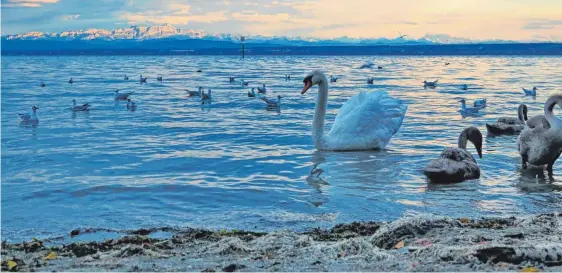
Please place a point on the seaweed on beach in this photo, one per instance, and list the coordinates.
(423, 243)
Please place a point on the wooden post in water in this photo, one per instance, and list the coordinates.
(242, 39)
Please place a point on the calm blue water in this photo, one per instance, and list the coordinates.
(237, 165)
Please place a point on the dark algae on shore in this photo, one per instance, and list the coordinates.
(423, 243)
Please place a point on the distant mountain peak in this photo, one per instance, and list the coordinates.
(131, 33)
(135, 32)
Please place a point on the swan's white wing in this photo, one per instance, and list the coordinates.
(366, 121)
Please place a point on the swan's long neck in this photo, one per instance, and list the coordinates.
(521, 114)
(320, 114)
(463, 140)
(555, 123)
(34, 114)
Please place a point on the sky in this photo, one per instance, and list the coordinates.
(519, 20)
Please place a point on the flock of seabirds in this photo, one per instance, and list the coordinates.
(367, 121)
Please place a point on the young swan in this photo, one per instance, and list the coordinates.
(457, 164)
(543, 145)
(509, 125)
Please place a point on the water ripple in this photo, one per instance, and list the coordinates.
(235, 164)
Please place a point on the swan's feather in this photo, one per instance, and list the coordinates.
(506, 125)
(454, 165)
(366, 121)
(538, 121)
(537, 146)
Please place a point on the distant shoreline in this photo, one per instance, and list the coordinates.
(189, 47)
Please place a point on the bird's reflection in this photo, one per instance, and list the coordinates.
(206, 108)
(535, 175)
(314, 179)
(273, 109)
(32, 125)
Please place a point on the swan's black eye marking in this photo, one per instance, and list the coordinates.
(307, 80)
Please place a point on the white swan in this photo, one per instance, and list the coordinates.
(457, 164)
(30, 117)
(366, 121)
(83, 107)
(542, 146)
(509, 125)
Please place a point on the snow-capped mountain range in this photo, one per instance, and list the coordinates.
(169, 31)
(131, 33)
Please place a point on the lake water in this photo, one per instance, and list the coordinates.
(237, 165)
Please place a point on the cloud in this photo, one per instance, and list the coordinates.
(476, 19)
(173, 13)
(26, 3)
(71, 17)
(254, 17)
(542, 24)
(144, 18)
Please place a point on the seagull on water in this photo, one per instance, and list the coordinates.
(30, 117)
(79, 108)
(121, 96)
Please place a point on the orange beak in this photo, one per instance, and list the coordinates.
(307, 86)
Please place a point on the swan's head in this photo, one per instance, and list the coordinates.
(462, 100)
(279, 97)
(315, 77)
(34, 108)
(475, 136)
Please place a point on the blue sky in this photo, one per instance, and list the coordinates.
(474, 19)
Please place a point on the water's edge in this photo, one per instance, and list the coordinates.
(422, 243)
